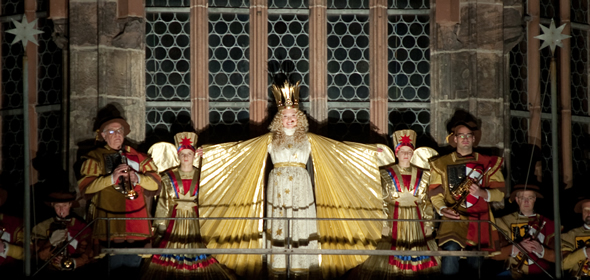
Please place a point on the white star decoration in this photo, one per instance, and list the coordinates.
(552, 36)
(24, 31)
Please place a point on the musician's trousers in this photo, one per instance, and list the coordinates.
(450, 266)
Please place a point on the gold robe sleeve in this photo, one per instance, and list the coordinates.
(92, 179)
(496, 194)
(165, 206)
(436, 197)
(347, 185)
(232, 185)
(574, 256)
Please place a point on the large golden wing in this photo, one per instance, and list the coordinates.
(421, 156)
(164, 155)
(232, 185)
(385, 157)
(347, 185)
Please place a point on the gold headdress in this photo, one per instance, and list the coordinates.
(405, 137)
(185, 140)
(286, 96)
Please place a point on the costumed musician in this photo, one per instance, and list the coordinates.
(576, 244)
(119, 179)
(462, 185)
(65, 229)
(11, 241)
(532, 231)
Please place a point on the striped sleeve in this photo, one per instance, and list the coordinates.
(92, 180)
(150, 180)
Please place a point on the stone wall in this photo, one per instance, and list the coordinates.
(469, 59)
(107, 70)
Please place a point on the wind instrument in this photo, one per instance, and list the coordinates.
(580, 272)
(124, 184)
(66, 262)
(461, 192)
(535, 236)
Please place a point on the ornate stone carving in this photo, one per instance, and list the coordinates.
(60, 34)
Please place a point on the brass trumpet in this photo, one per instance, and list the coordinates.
(580, 271)
(66, 262)
(125, 186)
(461, 192)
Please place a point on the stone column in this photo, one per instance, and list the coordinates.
(83, 98)
(121, 62)
(58, 14)
(199, 64)
(318, 64)
(565, 101)
(467, 62)
(258, 66)
(533, 73)
(107, 66)
(378, 67)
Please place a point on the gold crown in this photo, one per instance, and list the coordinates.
(185, 140)
(286, 96)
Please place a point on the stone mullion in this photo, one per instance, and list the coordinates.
(258, 66)
(378, 66)
(318, 63)
(534, 73)
(32, 54)
(565, 95)
(1, 106)
(58, 13)
(199, 36)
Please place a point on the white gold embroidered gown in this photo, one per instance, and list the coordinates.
(290, 195)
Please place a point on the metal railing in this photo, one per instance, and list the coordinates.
(295, 251)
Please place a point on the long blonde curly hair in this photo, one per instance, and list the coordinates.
(279, 136)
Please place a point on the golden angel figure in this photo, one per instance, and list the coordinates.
(405, 196)
(346, 185)
(178, 199)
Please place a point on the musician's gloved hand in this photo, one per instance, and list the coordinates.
(533, 246)
(57, 237)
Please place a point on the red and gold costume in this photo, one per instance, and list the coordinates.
(575, 242)
(79, 246)
(405, 196)
(518, 227)
(447, 172)
(108, 202)
(11, 233)
(178, 199)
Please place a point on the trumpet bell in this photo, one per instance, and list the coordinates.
(67, 264)
(131, 195)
